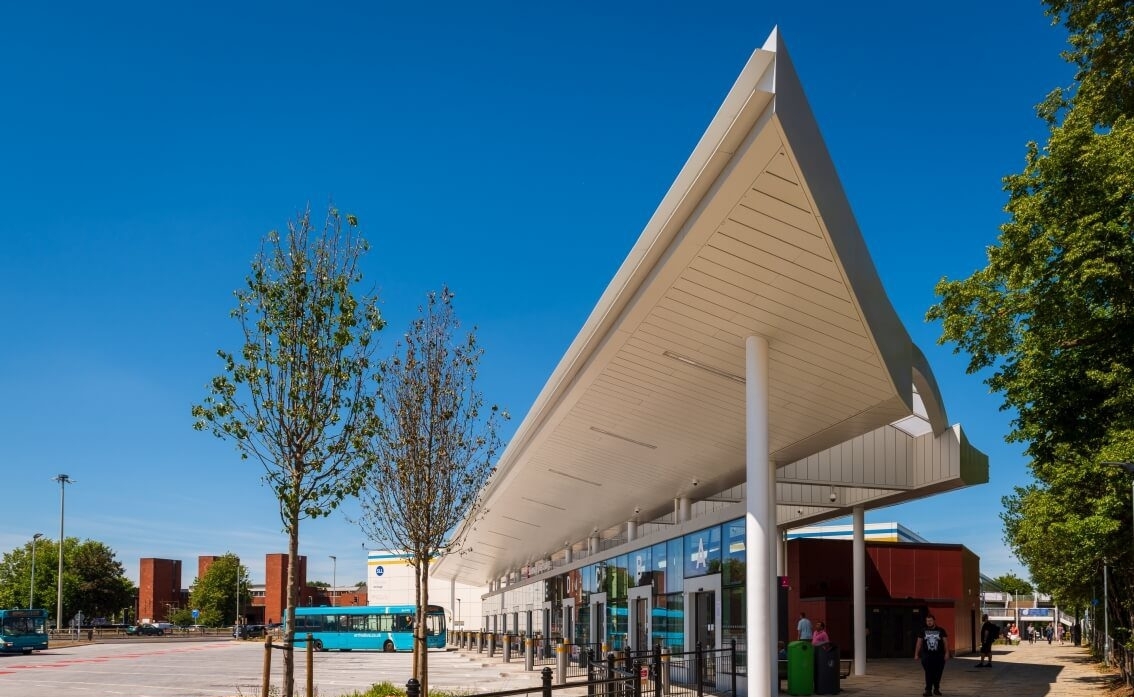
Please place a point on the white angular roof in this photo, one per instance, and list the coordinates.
(755, 237)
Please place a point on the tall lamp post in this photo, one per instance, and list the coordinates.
(334, 578)
(236, 575)
(31, 586)
(1129, 467)
(63, 480)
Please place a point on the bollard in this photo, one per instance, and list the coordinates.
(507, 649)
(699, 669)
(492, 644)
(665, 670)
(413, 688)
(545, 681)
(732, 647)
(529, 654)
(266, 674)
(310, 665)
(561, 663)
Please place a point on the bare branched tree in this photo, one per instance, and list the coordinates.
(435, 452)
(299, 396)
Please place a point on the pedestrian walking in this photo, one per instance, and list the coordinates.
(932, 649)
(988, 633)
(803, 627)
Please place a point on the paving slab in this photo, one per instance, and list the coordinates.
(1027, 670)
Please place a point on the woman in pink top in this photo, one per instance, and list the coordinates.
(820, 635)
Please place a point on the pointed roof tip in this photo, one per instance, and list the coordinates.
(773, 41)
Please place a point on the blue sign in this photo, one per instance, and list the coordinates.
(1037, 612)
(196, 614)
(379, 570)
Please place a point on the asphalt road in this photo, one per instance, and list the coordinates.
(228, 668)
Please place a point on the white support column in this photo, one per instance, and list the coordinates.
(858, 547)
(760, 525)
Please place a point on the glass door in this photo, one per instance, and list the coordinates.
(640, 617)
(598, 620)
(705, 619)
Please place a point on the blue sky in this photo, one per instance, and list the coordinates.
(511, 150)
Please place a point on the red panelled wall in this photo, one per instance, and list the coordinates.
(942, 579)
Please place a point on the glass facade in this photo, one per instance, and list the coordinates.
(539, 608)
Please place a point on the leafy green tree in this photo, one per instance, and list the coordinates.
(1011, 583)
(182, 617)
(94, 582)
(214, 594)
(1050, 318)
(298, 396)
(435, 453)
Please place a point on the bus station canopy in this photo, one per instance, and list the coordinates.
(754, 238)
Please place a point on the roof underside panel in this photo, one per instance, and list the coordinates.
(650, 396)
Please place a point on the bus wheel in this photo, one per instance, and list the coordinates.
(318, 645)
(388, 647)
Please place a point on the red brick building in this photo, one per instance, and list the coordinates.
(160, 591)
(159, 588)
(904, 582)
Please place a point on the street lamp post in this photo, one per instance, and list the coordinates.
(334, 578)
(31, 586)
(1106, 615)
(63, 480)
(236, 575)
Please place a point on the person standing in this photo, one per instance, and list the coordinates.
(932, 649)
(803, 627)
(988, 634)
(820, 636)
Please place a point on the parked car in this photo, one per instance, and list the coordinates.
(145, 630)
(248, 631)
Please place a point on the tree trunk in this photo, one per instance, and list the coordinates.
(292, 599)
(422, 607)
(418, 620)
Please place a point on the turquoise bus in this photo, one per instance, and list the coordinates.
(370, 627)
(23, 630)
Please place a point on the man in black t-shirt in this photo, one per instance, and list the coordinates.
(932, 650)
(988, 634)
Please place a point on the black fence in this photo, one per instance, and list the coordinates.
(621, 684)
(654, 673)
(698, 672)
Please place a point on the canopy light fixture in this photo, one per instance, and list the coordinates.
(707, 368)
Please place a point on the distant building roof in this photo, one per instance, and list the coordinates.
(875, 532)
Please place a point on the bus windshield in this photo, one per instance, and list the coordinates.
(23, 630)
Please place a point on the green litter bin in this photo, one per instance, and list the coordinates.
(800, 668)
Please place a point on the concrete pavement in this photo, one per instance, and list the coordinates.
(1027, 670)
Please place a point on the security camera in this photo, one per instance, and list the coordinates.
(695, 482)
(833, 496)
